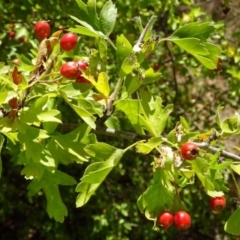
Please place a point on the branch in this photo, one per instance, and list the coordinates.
(138, 137)
(223, 153)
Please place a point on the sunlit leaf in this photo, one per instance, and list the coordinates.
(108, 17)
(232, 224)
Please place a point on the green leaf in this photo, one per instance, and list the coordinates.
(147, 48)
(102, 84)
(129, 64)
(230, 125)
(132, 110)
(206, 62)
(150, 76)
(95, 174)
(1, 146)
(87, 25)
(3, 97)
(197, 30)
(108, 17)
(217, 117)
(192, 38)
(71, 144)
(100, 150)
(232, 224)
(51, 115)
(147, 147)
(192, 45)
(55, 206)
(185, 124)
(236, 168)
(132, 83)
(33, 170)
(91, 6)
(155, 120)
(63, 179)
(85, 115)
(31, 140)
(154, 200)
(86, 191)
(102, 47)
(84, 31)
(124, 49)
(35, 186)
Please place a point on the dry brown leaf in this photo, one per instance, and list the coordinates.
(16, 77)
(44, 51)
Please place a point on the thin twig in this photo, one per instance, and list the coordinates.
(136, 47)
(138, 137)
(174, 72)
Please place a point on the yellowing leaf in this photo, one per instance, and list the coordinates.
(57, 33)
(236, 168)
(102, 84)
(89, 77)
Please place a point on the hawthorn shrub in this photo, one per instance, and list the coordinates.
(110, 134)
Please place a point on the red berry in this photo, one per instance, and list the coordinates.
(21, 39)
(81, 79)
(11, 34)
(82, 64)
(42, 29)
(68, 41)
(70, 70)
(189, 151)
(182, 220)
(165, 219)
(217, 203)
(155, 67)
(13, 103)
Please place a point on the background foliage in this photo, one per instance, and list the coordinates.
(195, 91)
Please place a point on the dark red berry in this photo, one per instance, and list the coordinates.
(182, 220)
(82, 64)
(21, 39)
(155, 67)
(189, 151)
(42, 29)
(70, 70)
(165, 219)
(81, 79)
(68, 41)
(11, 34)
(217, 203)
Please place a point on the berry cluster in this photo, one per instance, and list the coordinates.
(182, 220)
(73, 70)
(69, 70)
